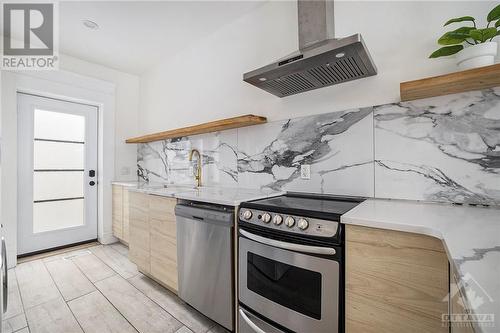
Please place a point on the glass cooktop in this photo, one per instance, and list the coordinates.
(316, 204)
(311, 204)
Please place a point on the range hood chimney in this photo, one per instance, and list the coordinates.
(321, 60)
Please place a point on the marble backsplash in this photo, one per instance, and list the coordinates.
(444, 149)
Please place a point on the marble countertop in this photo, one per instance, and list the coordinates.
(127, 183)
(226, 195)
(471, 237)
(229, 196)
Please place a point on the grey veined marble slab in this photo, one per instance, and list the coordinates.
(167, 161)
(338, 146)
(443, 149)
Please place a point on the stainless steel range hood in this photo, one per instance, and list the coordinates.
(321, 60)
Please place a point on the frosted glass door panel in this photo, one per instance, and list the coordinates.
(54, 215)
(58, 155)
(58, 165)
(59, 126)
(56, 185)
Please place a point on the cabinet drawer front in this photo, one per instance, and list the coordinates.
(117, 210)
(163, 241)
(161, 208)
(139, 242)
(126, 215)
(163, 247)
(117, 227)
(395, 282)
(165, 227)
(139, 250)
(165, 271)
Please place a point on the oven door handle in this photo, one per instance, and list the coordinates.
(289, 246)
(250, 323)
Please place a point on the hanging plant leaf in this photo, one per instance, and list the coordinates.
(460, 19)
(446, 51)
(482, 35)
(494, 14)
(497, 24)
(456, 36)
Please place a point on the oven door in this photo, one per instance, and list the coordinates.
(295, 290)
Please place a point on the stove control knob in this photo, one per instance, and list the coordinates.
(266, 218)
(290, 221)
(278, 219)
(247, 214)
(303, 224)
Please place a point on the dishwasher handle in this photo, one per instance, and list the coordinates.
(205, 214)
(289, 246)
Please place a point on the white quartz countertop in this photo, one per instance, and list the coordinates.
(226, 195)
(128, 183)
(229, 196)
(471, 237)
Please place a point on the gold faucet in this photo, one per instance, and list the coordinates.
(197, 175)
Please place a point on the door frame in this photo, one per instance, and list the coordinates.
(29, 241)
(73, 88)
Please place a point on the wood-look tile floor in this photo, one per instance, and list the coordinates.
(95, 290)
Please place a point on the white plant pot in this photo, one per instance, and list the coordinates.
(477, 55)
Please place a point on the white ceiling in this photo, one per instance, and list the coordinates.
(133, 36)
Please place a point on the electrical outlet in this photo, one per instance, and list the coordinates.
(305, 171)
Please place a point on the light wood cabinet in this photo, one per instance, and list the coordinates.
(139, 239)
(117, 210)
(153, 237)
(120, 212)
(126, 216)
(395, 282)
(163, 240)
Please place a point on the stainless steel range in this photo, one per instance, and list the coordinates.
(291, 264)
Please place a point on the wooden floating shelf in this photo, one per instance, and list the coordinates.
(213, 126)
(472, 79)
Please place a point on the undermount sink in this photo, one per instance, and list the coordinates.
(170, 186)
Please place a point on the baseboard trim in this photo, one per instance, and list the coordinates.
(108, 238)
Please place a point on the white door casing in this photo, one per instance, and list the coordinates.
(56, 203)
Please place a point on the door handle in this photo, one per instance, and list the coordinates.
(250, 323)
(289, 246)
(5, 273)
(92, 183)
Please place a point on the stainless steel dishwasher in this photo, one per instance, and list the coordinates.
(205, 259)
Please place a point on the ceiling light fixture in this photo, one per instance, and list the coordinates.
(90, 24)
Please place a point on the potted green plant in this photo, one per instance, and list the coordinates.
(474, 47)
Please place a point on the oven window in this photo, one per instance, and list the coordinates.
(296, 288)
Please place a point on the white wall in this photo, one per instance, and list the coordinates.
(126, 114)
(204, 82)
(117, 94)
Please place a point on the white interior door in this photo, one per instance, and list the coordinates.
(57, 173)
